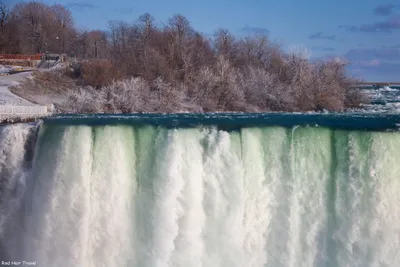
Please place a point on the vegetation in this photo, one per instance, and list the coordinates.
(145, 67)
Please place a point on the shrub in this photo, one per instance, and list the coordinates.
(216, 89)
(128, 96)
(97, 73)
(264, 90)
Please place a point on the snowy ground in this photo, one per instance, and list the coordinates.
(6, 97)
(4, 69)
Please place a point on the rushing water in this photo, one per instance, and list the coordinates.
(383, 100)
(202, 190)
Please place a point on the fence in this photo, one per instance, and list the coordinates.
(24, 112)
(21, 57)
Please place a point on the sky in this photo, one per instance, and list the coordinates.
(366, 32)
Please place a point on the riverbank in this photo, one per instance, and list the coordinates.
(7, 97)
(15, 108)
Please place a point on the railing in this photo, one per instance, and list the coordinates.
(23, 110)
(12, 113)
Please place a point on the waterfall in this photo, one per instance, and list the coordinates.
(147, 196)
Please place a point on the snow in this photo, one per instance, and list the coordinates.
(4, 69)
(8, 98)
(387, 89)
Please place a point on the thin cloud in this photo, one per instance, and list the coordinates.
(124, 10)
(329, 49)
(321, 36)
(370, 63)
(329, 57)
(325, 49)
(254, 30)
(388, 26)
(384, 10)
(381, 63)
(384, 70)
(77, 6)
(368, 54)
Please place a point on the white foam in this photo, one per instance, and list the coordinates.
(145, 196)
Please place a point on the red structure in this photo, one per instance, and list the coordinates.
(20, 57)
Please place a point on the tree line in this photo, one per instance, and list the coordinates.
(34, 27)
(222, 72)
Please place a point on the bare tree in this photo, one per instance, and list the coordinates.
(255, 50)
(63, 29)
(4, 18)
(125, 48)
(35, 25)
(196, 54)
(225, 44)
(146, 29)
(98, 41)
(81, 44)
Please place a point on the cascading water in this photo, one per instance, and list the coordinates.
(16, 152)
(141, 196)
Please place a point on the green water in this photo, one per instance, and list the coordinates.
(131, 195)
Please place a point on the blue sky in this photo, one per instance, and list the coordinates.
(367, 32)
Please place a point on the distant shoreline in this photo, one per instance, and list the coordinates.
(379, 83)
